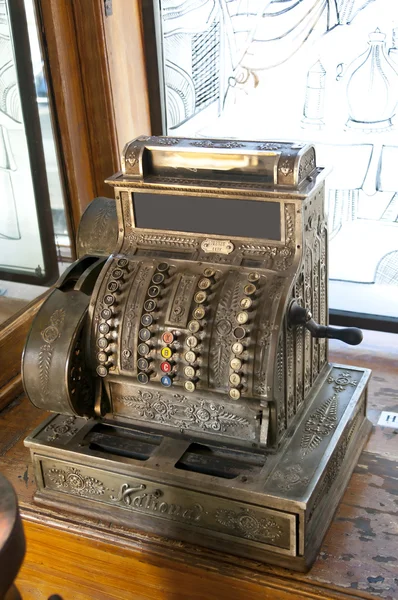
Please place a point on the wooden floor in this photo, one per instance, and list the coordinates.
(83, 559)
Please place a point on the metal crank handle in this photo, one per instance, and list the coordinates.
(299, 315)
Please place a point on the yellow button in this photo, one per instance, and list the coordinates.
(166, 352)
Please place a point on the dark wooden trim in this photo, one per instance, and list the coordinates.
(78, 81)
(154, 70)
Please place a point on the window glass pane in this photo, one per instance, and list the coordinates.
(31, 200)
(322, 71)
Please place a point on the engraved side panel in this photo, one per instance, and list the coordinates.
(297, 467)
(323, 300)
(315, 305)
(225, 519)
(181, 299)
(222, 335)
(307, 304)
(280, 386)
(187, 414)
(266, 333)
(131, 316)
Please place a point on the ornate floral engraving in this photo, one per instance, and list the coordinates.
(133, 307)
(49, 335)
(269, 146)
(165, 141)
(149, 239)
(341, 381)
(222, 337)
(216, 144)
(307, 164)
(285, 167)
(101, 222)
(179, 411)
(247, 524)
(290, 477)
(126, 205)
(336, 462)
(71, 480)
(266, 330)
(64, 428)
(319, 425)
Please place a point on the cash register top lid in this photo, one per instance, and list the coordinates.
(288, 166)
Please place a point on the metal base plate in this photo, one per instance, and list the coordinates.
(269, 507)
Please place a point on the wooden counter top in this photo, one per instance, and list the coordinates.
(83, 559)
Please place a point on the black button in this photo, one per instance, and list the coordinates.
(143, 349)
(239, 333)
(163, 267)
(153, 291)
(142, 377)
(144, 335)
(109, 299)
(158, 278)
(146, 320)
(117, 273)
(142, 364)
(113, 286)
(106, 313)
(150, 305)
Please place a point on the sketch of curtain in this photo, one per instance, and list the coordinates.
(10, 118)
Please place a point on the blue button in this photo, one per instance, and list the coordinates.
(166, 381)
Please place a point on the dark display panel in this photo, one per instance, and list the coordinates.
(213, 216)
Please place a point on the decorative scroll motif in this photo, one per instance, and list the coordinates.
(315, 306)
(133, 310)
(181, 412)
(64, 428)
(181, 303)
(336, 462)
(269, 146)
(300, 338)
(322, 232)
(149, 239)
(165, 141)
(216, 144)
(71, 480)
(126, 203)
(222, 338)
(266, 330)
(307, 164)
(101, 221)
(277, 257)
(319, 425)
(153, 503)
(341, 381)
(280, 385)
(286, 167)
(290, 477)
(248, 525)
(307, 335)
(290, 408)
(132, 156)
(49, 335)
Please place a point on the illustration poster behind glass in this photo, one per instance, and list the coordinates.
(319, 71)
(27, 247)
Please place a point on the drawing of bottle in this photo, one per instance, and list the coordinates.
(372, 90)
(314, 97)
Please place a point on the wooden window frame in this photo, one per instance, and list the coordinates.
(97, 89)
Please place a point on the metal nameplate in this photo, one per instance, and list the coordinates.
(217, 246)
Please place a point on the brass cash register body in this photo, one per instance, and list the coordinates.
(191, 397)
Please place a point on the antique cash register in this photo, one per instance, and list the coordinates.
(185, 355)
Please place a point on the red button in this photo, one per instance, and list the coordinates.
(166, 367)
(168, 337)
